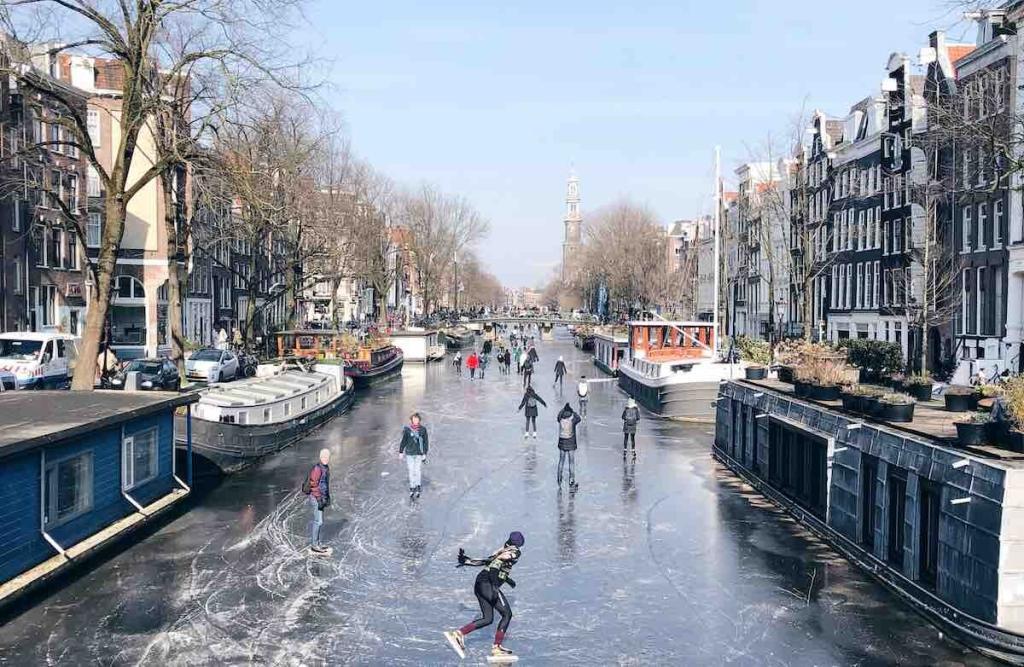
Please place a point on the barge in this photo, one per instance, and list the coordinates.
(458, 338)
(609, 350)
(418, 345)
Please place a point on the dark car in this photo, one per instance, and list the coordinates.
(154, 374)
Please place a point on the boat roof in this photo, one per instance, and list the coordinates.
(412, 332)
(260, 390)
(312, 332)
(33, 418)
(615, 338)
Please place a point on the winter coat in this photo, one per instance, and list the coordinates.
(527, 366)
(630, 417)
(320, 484)
(567, 421)
(413, 445)
(531, 410)
(473, 361)
(560, 368)
(532, 355)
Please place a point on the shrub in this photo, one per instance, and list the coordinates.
(991, 390)
(919, 380)
(897, 399)
(1013, 394)
(754, 351)
(875, 355)
(819, 365)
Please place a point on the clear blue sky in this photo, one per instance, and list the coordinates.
(496, 102)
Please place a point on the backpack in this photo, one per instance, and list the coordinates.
(565, 428)
(307, 484)
(582, 389)
(531, 402)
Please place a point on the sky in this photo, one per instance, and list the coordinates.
(497, 102)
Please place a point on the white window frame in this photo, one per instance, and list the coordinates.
(94, 128)
(95, 222)
(150, 438)
(997, 223)
(51, 491)
(980, 227)
(966, 215)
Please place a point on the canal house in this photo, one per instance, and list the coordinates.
(79, 470)
(939, 524)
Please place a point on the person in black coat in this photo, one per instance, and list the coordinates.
(530, 401)
(560, 371)
(630, 417)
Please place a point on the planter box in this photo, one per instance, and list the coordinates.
(871, 406)
(785, 374)
(827, 393)
(801, 389)
(961, 402)
(756, 372)
(969, 433)
(922, 392)
(893, 412)
(852, 402)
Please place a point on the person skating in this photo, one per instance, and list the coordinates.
(414, 447)
(530, 401)
(485, 359)
(583, 392)
(560, 371)
(567, 422)
(527, 372)
(318, 483)
(487, 589)
(531, 354)
(472, 363)
(508, 362)
(630, 417)
(457, 363)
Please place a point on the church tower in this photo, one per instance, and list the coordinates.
(573, 228)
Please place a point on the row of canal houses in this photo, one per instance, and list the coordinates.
(832, 238)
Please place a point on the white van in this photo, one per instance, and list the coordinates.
(39, 360)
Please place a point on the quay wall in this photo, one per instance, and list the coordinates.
(944, 528)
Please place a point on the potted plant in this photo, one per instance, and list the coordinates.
(973, 429)
(759, 354)
(1013, 396)
(920, 387)
(869, 397)
(897, 381)
(960, 398)
(852, 399)
(896, 407)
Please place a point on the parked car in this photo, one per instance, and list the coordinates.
(154, 374)
(212, 365)
(39, 360)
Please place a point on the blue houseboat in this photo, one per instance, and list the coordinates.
(79, 470)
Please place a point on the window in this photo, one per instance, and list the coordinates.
(287, 408)
(19, 274)
(72, 260)
(16, 215)
(139, 458)
(849, 286)
(93, 124)
(965, 224)
(72, 192)
(860, 286)
(997, 223)
(54, 139)
(967, 167)
(874, 296)
(304, 402)
(886, 288)
(93, 230)
(897, 236)
(92, 182)
(56, 188)
(56, 252)
(266, 415)
(885, 238)
(43, 233)
(67, 489)
(981, 302)
(981, 226)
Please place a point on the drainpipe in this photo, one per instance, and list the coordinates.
(42, 506)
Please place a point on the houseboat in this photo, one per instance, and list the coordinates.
(584, 339)
(81, 470)
(367, 360)
(609, 351)
(670, 368)
(235, 425)
(458, 338)
(418, 344)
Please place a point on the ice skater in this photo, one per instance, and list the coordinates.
(318, 487)
(457, 363)
(472, 363)
(630, 417)
(567, 422)
(413, 448)
(487, 589)
(530, 401)
(583, 392)
(527, 372)
(485, 359)
(560, 371)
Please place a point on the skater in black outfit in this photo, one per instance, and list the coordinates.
(560, 371)
(488, 593)
(567, 422)
(530, 401)
(532, 354)
(630, 417)
(527, 372)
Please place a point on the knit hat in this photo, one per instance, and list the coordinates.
(516, 539)
(631, 403)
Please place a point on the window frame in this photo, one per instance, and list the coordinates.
(50, 490)
(129, 480)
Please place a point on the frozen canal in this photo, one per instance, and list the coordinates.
(668, 561)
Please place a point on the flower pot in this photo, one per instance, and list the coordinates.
(756, 372)
(921, 392)
(871, 406)
(897, 384)
(786, 374)
(961, 402)
(971, 433)
(824, 393)
(897, 413)
(852, 402)
(801, 389)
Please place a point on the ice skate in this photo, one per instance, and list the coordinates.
(501, 654)
(320, 550)
(458, 643)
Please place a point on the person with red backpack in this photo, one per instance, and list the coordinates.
(318, 487)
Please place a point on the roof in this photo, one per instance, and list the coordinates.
(260, 390)
(666, 323)
(412, 333)
(958, 51)
(32, 418)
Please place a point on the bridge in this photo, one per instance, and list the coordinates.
(509, 319)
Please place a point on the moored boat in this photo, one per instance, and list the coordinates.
(609, 350)
(236, 424)
(374, 363)
(418, 344)
(458, 338)
(584, 339)
(670, 368)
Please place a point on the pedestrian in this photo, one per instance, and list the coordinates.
(222, 339)
(457, 362)
(485, 359)
(583, 392)
(527, 372)
(487, 590)
(532, 353)
(519, 358)
(472, 363)
(507, 361)
(567, 422)
(414, 447)
(630, 417)
(560, 371)
(530, 401)
(318, 487)
(488, 346)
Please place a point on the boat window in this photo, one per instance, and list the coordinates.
(139, 458)
(317, 395)
(68, 489)
(681, 368)
(243, 416)
(227, 419)
(303, 403)
(287, 408)
(266, 414)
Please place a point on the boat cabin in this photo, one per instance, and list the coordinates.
(609, 351)
(311, 343)
(419, 345)
(677, 343)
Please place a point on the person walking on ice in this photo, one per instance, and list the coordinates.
(630, 417)
(560, 371)
(318, 487)
(530, 401)
(583, 392)
(472, 363)
(414, 448)
(487, 589)
(457, 363)
(567, 422)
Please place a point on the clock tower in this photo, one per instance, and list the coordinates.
(571, 246)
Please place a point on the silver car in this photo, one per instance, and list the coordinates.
(212, 365)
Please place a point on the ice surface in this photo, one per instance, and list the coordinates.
(668, 560)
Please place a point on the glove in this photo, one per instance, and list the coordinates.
(462, 557)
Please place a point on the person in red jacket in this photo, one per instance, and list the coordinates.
(472, 363)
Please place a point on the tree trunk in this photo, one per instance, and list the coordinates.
(807, 307)
(174, 292)
(106, 264)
